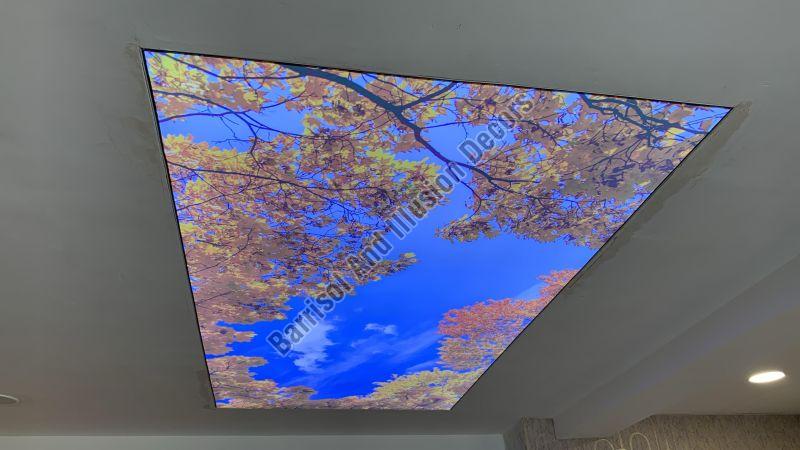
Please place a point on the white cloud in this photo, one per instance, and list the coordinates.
(531, 293)
(390, 329)
(313, 348)
(410, 347)
(425, 365)
(358, 342)
(395, 350)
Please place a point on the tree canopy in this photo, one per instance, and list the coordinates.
(272, 210)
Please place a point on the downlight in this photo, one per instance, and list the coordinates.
(769, 376)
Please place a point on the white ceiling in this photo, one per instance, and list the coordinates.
(97, 330)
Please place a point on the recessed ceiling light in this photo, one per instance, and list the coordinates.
(769, 376)
(8, 400)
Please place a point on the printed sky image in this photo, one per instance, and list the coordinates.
(285, 177)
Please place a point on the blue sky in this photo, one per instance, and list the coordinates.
(389, 327)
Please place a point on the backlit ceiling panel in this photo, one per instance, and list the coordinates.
(365, 241)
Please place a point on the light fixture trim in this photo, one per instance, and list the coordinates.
(6, 400)
(767, 376)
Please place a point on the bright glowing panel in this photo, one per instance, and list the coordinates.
(367, 241)
(769, 376)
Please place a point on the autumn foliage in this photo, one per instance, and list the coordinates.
(270, 210)
(474, 336)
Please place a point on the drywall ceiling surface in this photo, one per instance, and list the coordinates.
(99, 335)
